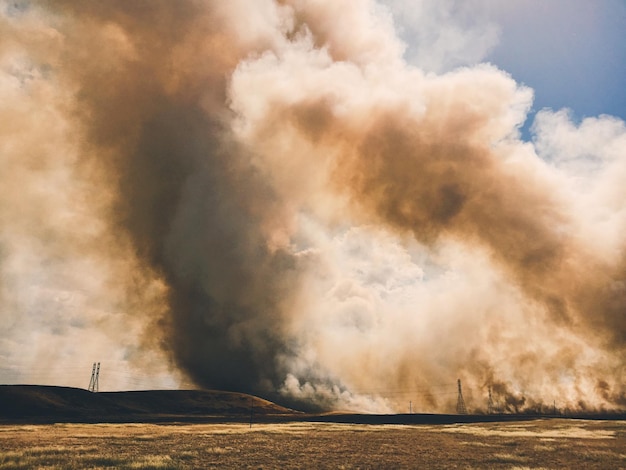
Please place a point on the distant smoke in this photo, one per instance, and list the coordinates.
(270, 202)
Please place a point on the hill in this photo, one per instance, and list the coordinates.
(42, 404)
(48, 404)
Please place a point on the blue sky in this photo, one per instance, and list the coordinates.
(572, 53)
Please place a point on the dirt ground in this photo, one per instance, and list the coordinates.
(553, 443)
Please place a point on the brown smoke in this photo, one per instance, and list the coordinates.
(428, 177)
(194, 208)
(272, 203)
(147, 92)
(438, 158)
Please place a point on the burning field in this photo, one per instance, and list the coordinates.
(539, 445)
(265, 196)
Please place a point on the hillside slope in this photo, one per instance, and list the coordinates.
(37, 403)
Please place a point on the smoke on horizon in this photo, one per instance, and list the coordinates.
(257, 198)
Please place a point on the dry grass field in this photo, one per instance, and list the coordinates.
(516, 445)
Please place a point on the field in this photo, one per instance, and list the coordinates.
(550, 443)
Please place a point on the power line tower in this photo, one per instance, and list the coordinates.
(95, 373)
(93, 377)
(490, 406)
(96, 384)
(460, 403)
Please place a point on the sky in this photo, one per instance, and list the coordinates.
(334, 205)
(571, 53)
(580, 55)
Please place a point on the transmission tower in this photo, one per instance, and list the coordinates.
(96, 385)
(460, 403)
(95, 373)
(490, 407)
(93, 377)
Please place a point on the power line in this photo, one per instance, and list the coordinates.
(435, 389)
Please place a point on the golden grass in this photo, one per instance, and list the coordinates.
(503, 457)
(537, 444)
(543, 429)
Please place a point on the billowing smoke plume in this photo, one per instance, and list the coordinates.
(259, 198)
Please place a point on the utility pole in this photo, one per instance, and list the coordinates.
(93, 378)
(490, 407)
(410, 407)
(96, 385)
(460, 403)
(95, 373)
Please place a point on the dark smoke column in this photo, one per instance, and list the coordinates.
(151, 104)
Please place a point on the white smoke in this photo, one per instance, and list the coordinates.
(281, 197)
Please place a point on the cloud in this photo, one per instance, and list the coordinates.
(444, 35)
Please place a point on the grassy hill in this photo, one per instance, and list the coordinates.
(48, 404)
(37, 403)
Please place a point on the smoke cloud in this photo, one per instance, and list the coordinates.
(254, 197)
